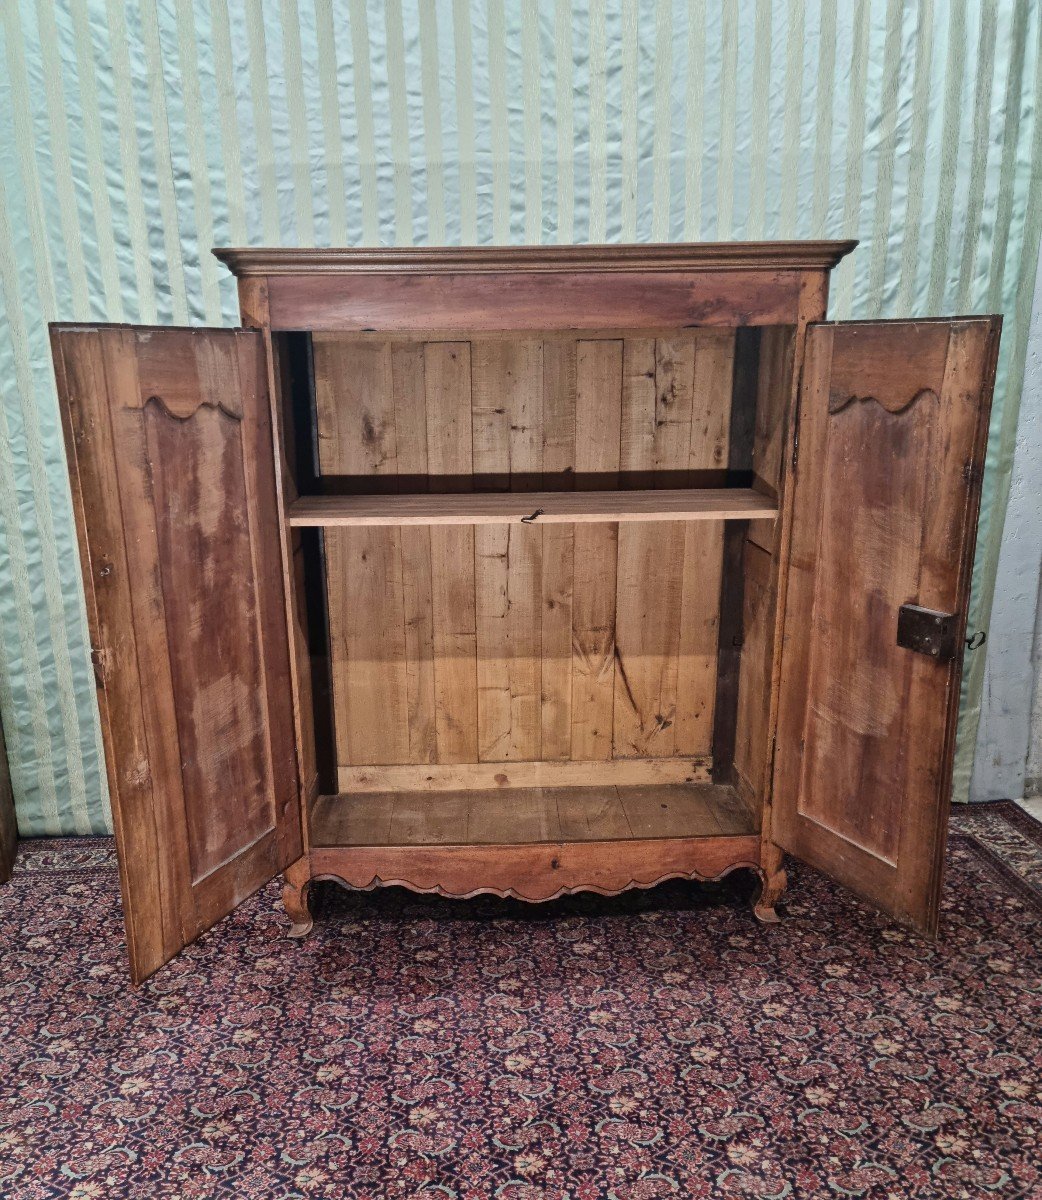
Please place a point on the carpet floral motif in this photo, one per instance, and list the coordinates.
(659, 1044)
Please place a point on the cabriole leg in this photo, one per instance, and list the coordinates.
(773, 882)
(296, 897)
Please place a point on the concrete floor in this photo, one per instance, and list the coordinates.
(1033, 806)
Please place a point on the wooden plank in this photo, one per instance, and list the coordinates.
(739, 459)
(773, 399)
(670, 811)
(656, 431)
(502, 262)
(711, 388)
(813, 306)
(571, 773)
(362, 820)
(450, 462)
(753, 698)
(698, 643)
(537, 872)
(408, 383)
(507, 421)
(519, 816)
(570, 508)
(357, 440)
(273, 369)
(590, 814)
(420, 818)
(699, 612)
(516, 817)
(532, 301)
(597, 435)
(736, 810)
(555, 690)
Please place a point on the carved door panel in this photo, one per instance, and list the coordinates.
(892, 431)
(168, 434)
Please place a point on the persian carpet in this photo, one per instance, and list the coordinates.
(658, 1044)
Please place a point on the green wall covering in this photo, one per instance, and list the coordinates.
(136, 134)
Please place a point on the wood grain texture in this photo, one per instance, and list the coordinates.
(598, 391)
(536, 873)
(542, 773)
(535, 508)
(507, 406)
(253, 305)
(173, 479)
(519, 816)
(662, 257)
(357, 437)
(558, 436)
(699, 615)
(891, 454)
(458, 441)
(450, 461)
(758, 600)
(813, 306)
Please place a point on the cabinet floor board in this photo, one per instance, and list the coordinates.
(520, 816)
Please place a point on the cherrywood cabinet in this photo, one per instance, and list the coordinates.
(525, 571)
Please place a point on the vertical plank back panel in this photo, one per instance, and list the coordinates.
(357, 439)
(555, 692)
(712, 374)
(524, 643)
(595, 550)
(507, 399)
(450, 461)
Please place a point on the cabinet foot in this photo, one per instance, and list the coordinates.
(296, 898)
(772, 887)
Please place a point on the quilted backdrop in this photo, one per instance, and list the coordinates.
(136, 134)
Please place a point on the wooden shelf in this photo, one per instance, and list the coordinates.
(522, 816)
(492, 508)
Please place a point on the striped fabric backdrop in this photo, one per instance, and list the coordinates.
(136, 134)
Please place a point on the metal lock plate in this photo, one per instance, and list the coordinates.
(927, 631)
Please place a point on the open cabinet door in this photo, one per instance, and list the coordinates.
(892, 428)
(168, 433)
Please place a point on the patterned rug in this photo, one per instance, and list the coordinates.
(659, 1044)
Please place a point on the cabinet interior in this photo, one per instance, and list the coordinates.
(535, 585)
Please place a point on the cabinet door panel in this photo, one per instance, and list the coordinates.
(893, 424)
(169, 442)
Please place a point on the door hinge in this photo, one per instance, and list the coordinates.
(97, 659)
(928, 632)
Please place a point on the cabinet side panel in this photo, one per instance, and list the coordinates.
(773, 396)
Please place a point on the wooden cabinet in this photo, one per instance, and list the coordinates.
(525, 571)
